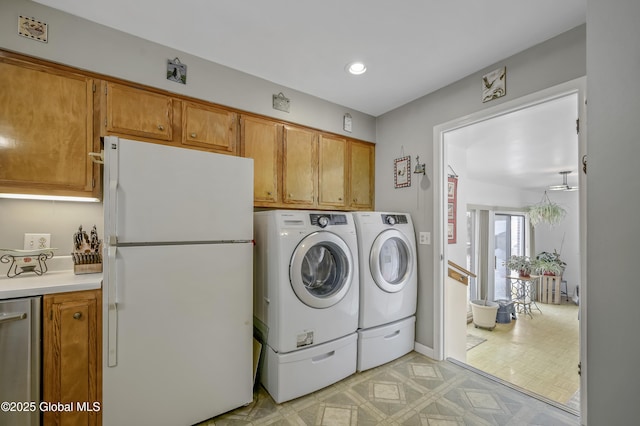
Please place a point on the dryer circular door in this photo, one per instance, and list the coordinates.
(321, 269)
(391, 260)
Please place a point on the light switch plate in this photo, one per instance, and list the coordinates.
(37, 241)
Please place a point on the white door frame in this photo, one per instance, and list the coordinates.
(439, 176)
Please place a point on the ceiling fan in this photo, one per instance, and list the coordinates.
(564, 186)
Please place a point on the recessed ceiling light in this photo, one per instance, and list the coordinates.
(356, 68)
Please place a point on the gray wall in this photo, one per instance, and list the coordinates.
(409, 130)
(613, 202)
(87, 45)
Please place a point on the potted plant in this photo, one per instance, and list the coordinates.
(523, 264)
(549, 263)
(546, 211)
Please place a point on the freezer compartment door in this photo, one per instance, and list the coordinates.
(157, 193)
(184, 334)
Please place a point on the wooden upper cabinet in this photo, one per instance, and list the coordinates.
(137, 112)
(260, 140)
(361, 179)
(299, 166)
(46, 131)
(209, 127)
(332, 172)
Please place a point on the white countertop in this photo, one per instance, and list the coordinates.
(30, 284)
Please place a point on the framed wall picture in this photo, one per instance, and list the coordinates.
(494, 84)
(451, 232)
(33, 29)
(452, 209)
(402, 172)
(176, 71)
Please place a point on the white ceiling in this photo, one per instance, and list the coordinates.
(525, 149)
(411, 48)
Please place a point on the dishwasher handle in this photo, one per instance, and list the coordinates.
(13, 317)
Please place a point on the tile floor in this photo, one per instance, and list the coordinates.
(412, 390)
(539, 354)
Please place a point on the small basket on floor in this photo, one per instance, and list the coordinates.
(484, 313)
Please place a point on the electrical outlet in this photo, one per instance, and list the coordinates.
(425, 237)
(37, 241)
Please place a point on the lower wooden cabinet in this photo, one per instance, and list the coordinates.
(72, 357)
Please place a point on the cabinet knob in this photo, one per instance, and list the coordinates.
(160, 127)
(290, 195)
(268, 192)
(193, 135)
(77, 315)
(355, 200)
(339, 198)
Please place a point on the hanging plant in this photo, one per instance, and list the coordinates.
(546, 211)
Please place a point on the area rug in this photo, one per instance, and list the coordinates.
(473, 341)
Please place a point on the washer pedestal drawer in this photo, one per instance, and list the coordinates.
(379, 345)
(294, 374)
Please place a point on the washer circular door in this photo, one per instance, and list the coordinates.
(391, 260)
(321, 269)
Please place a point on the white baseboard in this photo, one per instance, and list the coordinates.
(424, 350)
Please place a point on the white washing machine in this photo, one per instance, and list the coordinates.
(388, 286)
(306, 298)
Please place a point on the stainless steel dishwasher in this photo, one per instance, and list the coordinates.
(20, 343)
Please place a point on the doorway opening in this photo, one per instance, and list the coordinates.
(502, 219)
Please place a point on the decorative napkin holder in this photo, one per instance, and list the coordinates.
(26, 260)
(86, 252)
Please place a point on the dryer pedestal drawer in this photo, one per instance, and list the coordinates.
(294, 374)
(379, 345)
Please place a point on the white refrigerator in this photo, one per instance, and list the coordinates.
(177, 291)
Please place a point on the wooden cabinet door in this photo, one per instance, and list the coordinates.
(299, 166)
(209, 127)
(361, 177)
(261, 140)
(138, 112)
(46, 131)
(72, 370)
(332, 172)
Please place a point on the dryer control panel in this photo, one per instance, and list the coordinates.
(323, 220)
(393, 219)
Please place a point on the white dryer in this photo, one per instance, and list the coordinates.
(388, 286)
(306, 297)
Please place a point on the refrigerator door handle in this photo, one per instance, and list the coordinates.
(112, 312)
(113, 193)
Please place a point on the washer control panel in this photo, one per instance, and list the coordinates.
(323, 220)
(392, 219)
